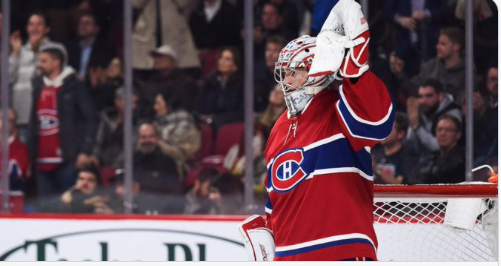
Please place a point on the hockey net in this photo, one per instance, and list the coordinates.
(437, 222)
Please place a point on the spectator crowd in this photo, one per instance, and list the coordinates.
(66, 117)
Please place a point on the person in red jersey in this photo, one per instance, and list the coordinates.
(18, 154)
(63, 123)
(320, 181)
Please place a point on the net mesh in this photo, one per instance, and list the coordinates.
(416, 229)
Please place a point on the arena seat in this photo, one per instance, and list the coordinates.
(227, 136)
(206, 143)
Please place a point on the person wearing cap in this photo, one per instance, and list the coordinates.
(63, 123)
(179, 88)
(23, 66)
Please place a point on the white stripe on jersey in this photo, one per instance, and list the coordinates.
(348, 127)
(323, 241)
(354, 115)
(334, 171)
(324, 141)
(50, 160)
(269, 164)
(341, 170)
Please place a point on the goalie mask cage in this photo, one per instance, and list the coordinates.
(436, 222)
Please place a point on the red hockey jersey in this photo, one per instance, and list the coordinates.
(49, 146)
(18, 161)
(320, 180)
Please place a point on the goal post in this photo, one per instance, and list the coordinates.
(437, 222)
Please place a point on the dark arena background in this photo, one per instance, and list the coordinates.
(135, 130)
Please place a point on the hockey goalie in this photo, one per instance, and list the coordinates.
(319, 179)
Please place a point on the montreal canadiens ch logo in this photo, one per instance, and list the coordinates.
(49, 122)
(286, 170)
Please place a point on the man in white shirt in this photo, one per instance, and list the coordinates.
(23, 66)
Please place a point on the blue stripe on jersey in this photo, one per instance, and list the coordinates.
(363, 130)
(268, 204)
(268, 176)
(335, 154)
(323, 245)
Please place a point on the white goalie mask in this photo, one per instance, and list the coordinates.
(295, 60)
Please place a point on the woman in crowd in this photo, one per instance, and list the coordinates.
(276, 107)
(221, 98)
(179, 136)
(105, 82)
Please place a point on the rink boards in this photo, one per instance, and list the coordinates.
(161, 238)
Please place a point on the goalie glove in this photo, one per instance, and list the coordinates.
(258, 239)
(356, 29)
(329, 56)
(330, 52)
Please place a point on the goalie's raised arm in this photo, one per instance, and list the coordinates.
(365, 106)
(365, 110)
